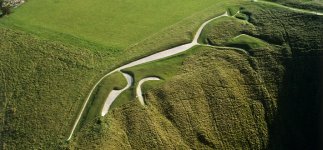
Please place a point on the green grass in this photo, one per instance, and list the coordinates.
(180, 111)
(174, 33)
(246, 42)
(43, 84)
(233, 32)
(221, 99)
(242, 16)
(233, 10)
(47, 73)
(115, 81)
(163, 69)
(45, 19)
(208, 99)
(111, 23)
(220, 31)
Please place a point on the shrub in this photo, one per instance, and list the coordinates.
(7, 5)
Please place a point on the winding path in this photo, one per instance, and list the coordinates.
(115, 93)
(139, 91)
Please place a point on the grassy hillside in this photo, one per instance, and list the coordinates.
(111, 23)
(210, 98)
(43, 83)
(223, 99)
(315, 5)
(299, 103)
(220, 31)
(156, 27)
(46, 74)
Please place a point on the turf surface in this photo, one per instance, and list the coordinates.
(113, 23)
(51, 57)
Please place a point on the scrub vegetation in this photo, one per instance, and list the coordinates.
(208, 98)
(43, 84)
(315, 5)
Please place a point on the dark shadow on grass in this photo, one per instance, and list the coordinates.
(2, 15)
(297, 123)
(320, 90)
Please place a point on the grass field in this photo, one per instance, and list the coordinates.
(112, 23)
(52, 52)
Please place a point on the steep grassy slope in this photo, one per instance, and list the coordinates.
(44, 81)
(297, 121)
(201, 107)
(42, 84)
(223, 99)
(315, 5)
(214, 99)
(94, 108)
(219, 32)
